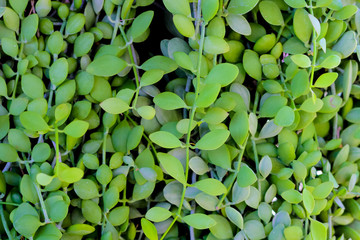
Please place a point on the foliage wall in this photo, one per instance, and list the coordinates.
(179, 119)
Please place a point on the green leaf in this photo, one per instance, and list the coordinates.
(172, 166)
(285, 117)
(111, 197)
(151, 77)
(345, 12)
(8, 153)
(215, 115)
(58, 71)
(310, 106)
(29, 26)
(119, 215)
(300, 84)
(246, 176)
(86, 189)
(43, 179)
(222, 228)
(239, 24)
(32, 86)
(223, 73)
(178, 7)
(215, 45)
(76, 128)
(208, 95)
(140, 24)
(265, 166)
(235, 217)
(33, 121)
(309, 202)
(3, 87)
(241, 6)
(114, 105)
(213, 139)
(318, 230)
(165, 139)
(292, 196)
(270, 129)
(83, 44)
(272, 105)
(346, 45)
(71, 175)
(91, 211)
(149, 229)
(301, 60)
(184, 25)
(323, 190)
(143, 191)
(10, 47)
(209, 9)
(169, 101)
(75, 23)
(27, 225)
(293, 232)
(19, 6)
(271, 13)
(80, 229)
(106, 66)
(210, 186)
(146, 112)
(331, 61)
(198, 165)
(315, 23)
(326, 79)
(160, 62)
(296, 3)
(11, 19)
(199, 221)
(254, 229)
(158, 214)
(183, 60)
(19, 140)
(239, 127)
(40, 152)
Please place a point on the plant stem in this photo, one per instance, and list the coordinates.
(4, 223)
(234, 176)
(57, 150)
(256, 102)
(117, 22)
(314, 42)
(17, 73)
(41, 199)
(192, 115)
(133, 63)
(144, 135)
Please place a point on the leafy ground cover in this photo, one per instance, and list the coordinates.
(177, 119)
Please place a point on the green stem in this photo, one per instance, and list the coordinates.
(234, 176)
(57, 150)
(256, 102)
(4, 223)
(192, 115)
(283, 27)
(117, 22)
(144, 135)
(104, 146)
(104, 186)
(306, 226)
(313, 64)
(132, 59)
(9, 203)
(256, 158)
(17, 73)
(41, 199)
